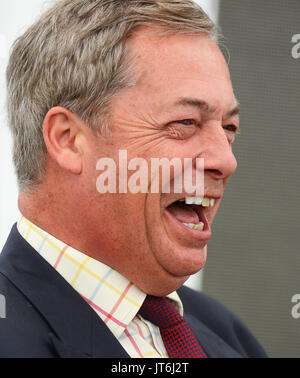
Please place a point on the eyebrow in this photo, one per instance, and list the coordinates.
(235, 111)
(204, 106)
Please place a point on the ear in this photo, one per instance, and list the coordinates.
(63, 136)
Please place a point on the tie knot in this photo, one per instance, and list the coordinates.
(160, 312)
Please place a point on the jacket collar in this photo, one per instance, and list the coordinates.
(77, 329)
(213, 345)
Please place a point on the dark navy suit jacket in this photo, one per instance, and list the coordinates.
(46, 317)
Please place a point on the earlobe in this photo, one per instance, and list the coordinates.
(62, 136)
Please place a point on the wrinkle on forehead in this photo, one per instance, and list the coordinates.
(173, 54)
(173, 67)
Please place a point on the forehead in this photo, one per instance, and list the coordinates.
(176, 66)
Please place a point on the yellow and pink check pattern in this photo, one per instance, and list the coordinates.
(115, 299)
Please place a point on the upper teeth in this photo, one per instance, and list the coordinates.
(205, 202)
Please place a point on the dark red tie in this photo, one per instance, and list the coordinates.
(177, 336)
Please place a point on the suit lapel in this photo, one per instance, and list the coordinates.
(77, 329)
(212, 344)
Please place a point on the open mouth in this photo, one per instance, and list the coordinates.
(191, 212)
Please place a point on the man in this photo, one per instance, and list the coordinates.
(83, 271)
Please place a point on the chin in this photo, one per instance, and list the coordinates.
(162, 285)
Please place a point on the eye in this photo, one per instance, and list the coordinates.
(182, 129)
(231, 131)
(186, 122)
(231, 128)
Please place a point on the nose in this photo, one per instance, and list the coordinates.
(219, 160)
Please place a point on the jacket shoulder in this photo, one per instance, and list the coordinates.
(24, 332)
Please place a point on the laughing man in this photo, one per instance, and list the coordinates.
(86, 274)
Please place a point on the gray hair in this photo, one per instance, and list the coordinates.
(75, 56)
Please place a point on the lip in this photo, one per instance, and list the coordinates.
(185, 232)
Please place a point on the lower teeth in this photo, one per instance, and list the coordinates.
(193, 226)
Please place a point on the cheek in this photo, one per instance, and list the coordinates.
(130, 210)
(121, 224)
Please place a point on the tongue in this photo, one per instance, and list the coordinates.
(184, 213)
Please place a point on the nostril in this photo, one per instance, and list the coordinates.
(214, 172)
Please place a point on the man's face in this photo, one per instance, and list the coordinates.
(182, 106)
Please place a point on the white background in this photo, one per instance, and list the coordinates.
(15, 17)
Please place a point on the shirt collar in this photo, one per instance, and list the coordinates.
(115, 299)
